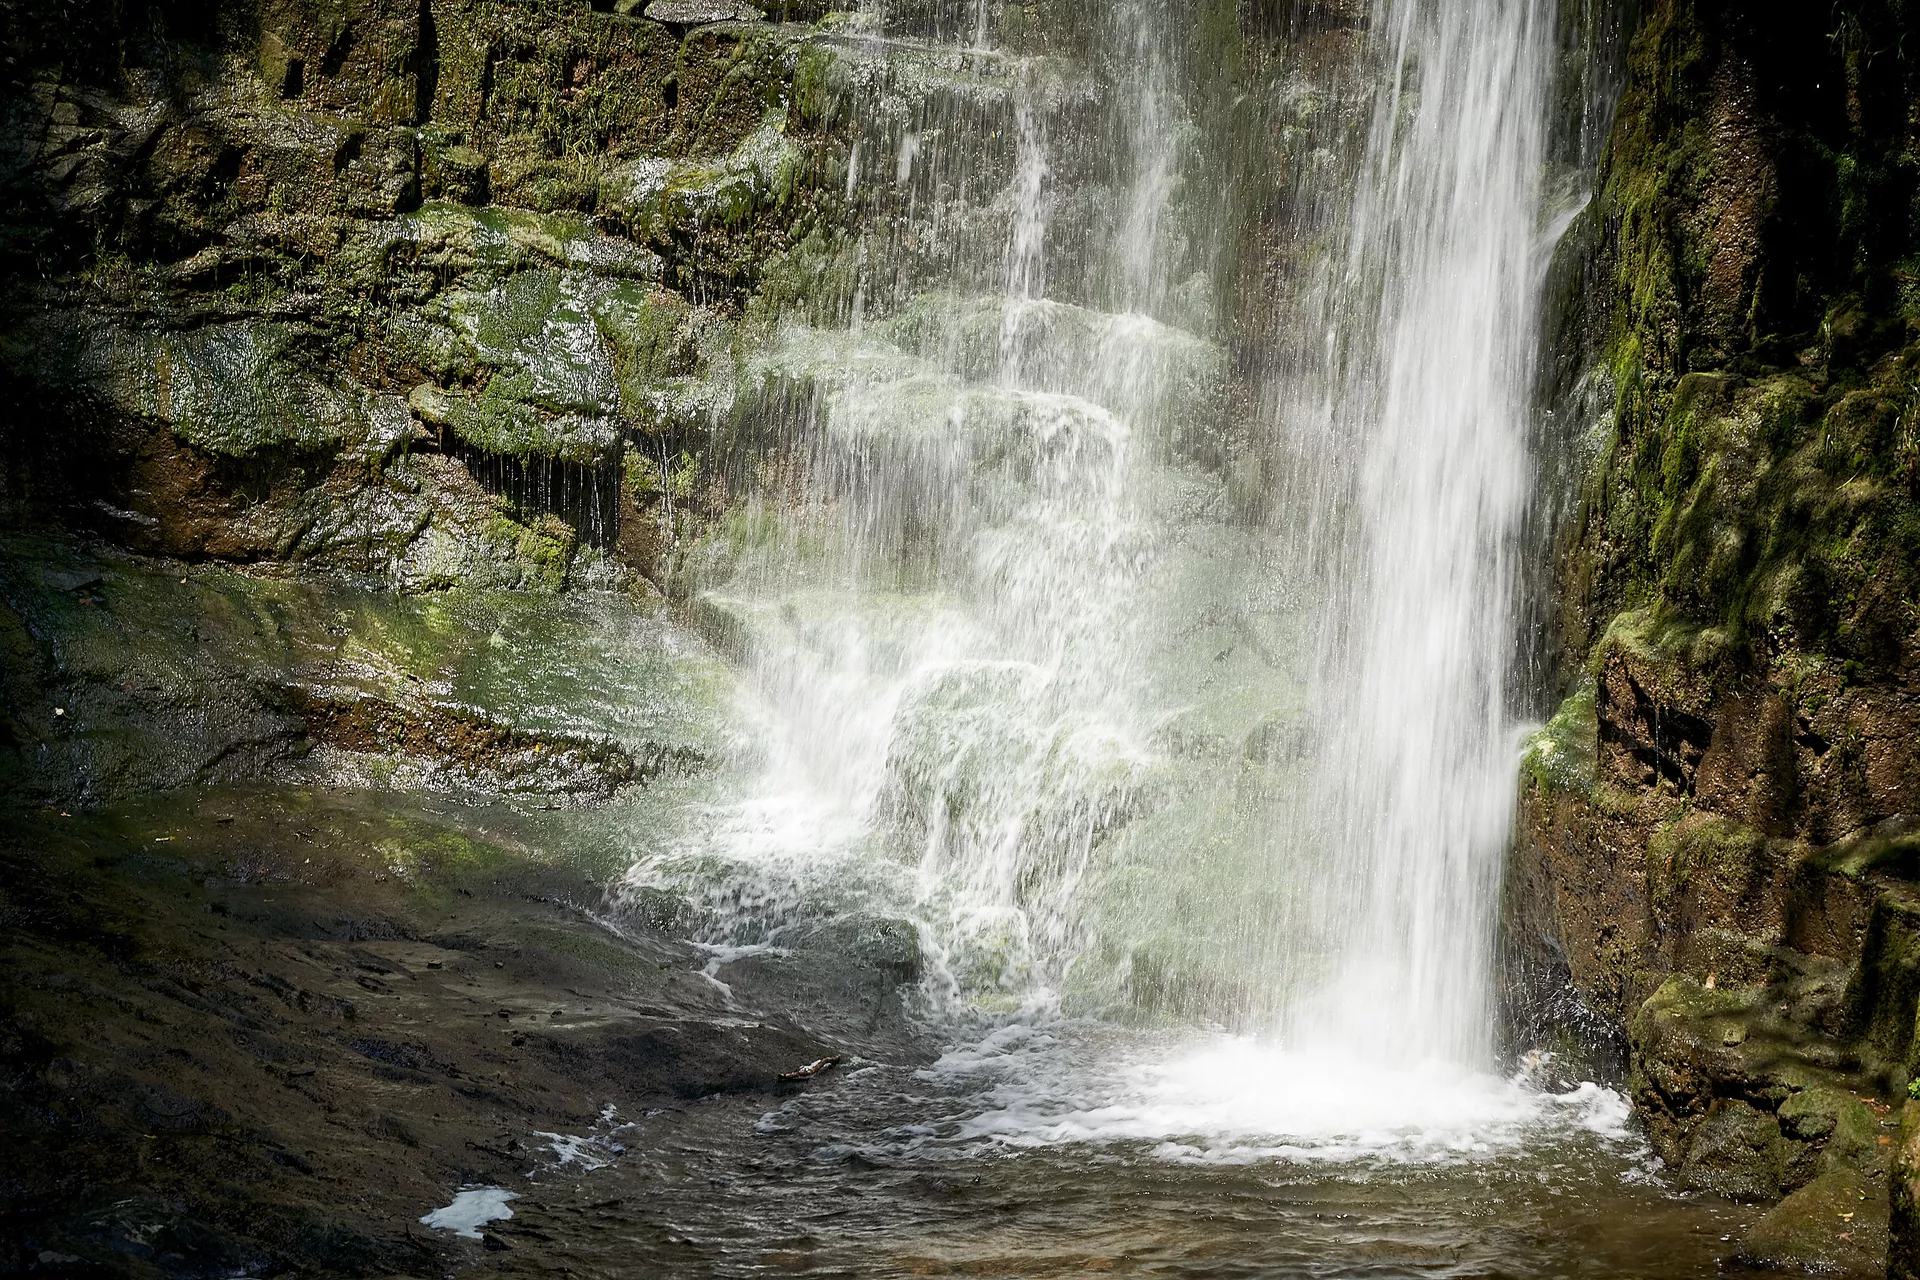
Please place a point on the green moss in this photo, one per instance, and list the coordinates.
(1668, 647)
(824, 88)
(648, 330)
(235, 390)
(451, 239)
(1889, 853)
(1559, 757)
(672, 478)
(1835, 1224)
(1882, 994)
(813, 281)
(1702, 858)
(1758, 483)
(550, 388)
(1683, 999)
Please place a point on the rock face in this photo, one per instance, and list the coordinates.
(387, 288)
(1715, 881)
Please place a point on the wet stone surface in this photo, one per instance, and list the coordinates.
(257, 1029)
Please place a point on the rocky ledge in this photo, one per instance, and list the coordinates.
(264, 1029)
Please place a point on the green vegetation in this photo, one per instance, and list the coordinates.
(1760, 478)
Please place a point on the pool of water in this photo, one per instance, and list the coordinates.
(1065, 1149)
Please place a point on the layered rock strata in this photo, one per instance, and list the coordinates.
(1717, 842)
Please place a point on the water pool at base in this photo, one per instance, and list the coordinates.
(1076, 1150)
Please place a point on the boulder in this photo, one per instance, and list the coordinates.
(1836, 1224)
(1738, 1152)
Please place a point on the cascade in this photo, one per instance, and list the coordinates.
(1411, 410)
(1137, 694)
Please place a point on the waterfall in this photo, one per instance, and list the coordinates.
(1414, 409)
(1043, 652)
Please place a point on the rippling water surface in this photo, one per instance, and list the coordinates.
(1070, 1149)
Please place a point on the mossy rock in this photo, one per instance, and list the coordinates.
(550, 386)
(237, 390)
(1559, 756)
(662, 200)
(1890, 848)
(1836, 1224)
(1884, 993)
(452, 239)
(1684, 999)
(1903, 1194)
(1668, 654)
(675, 362)
(1738, 1152)
(1701, 858)
(1828, 1115)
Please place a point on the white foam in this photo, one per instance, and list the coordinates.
(589, 1153)
(472, 1208)
(1241, 1100)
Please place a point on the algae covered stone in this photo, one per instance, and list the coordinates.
(1738, 1152)
(1835, 1224)
(239, 389)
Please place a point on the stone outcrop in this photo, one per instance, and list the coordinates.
(394, 289)
(1716, 875)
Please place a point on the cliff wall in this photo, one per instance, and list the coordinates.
(1718, 848)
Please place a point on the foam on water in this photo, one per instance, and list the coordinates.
(1244, 1100)
(472, 1208)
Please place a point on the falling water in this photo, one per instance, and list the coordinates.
(1415, 409)
(1031, 661)
(944, 632)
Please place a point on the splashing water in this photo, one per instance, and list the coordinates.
(1137, 701)
(1237, 1100)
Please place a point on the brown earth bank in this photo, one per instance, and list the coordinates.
(263, 1029)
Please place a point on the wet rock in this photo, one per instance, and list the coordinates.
(849, 976)
(460, 175)
(162, 682)
(1681, 1056)
(1903, 1253)
(1845, 1129)
(1738, 1152)
(235, 389)
(1836, 1224)
(657, 909)
(892, 945)
(1752, 695)
(242, 222)
(477, 752)
(693, 13)
(1885, 990)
